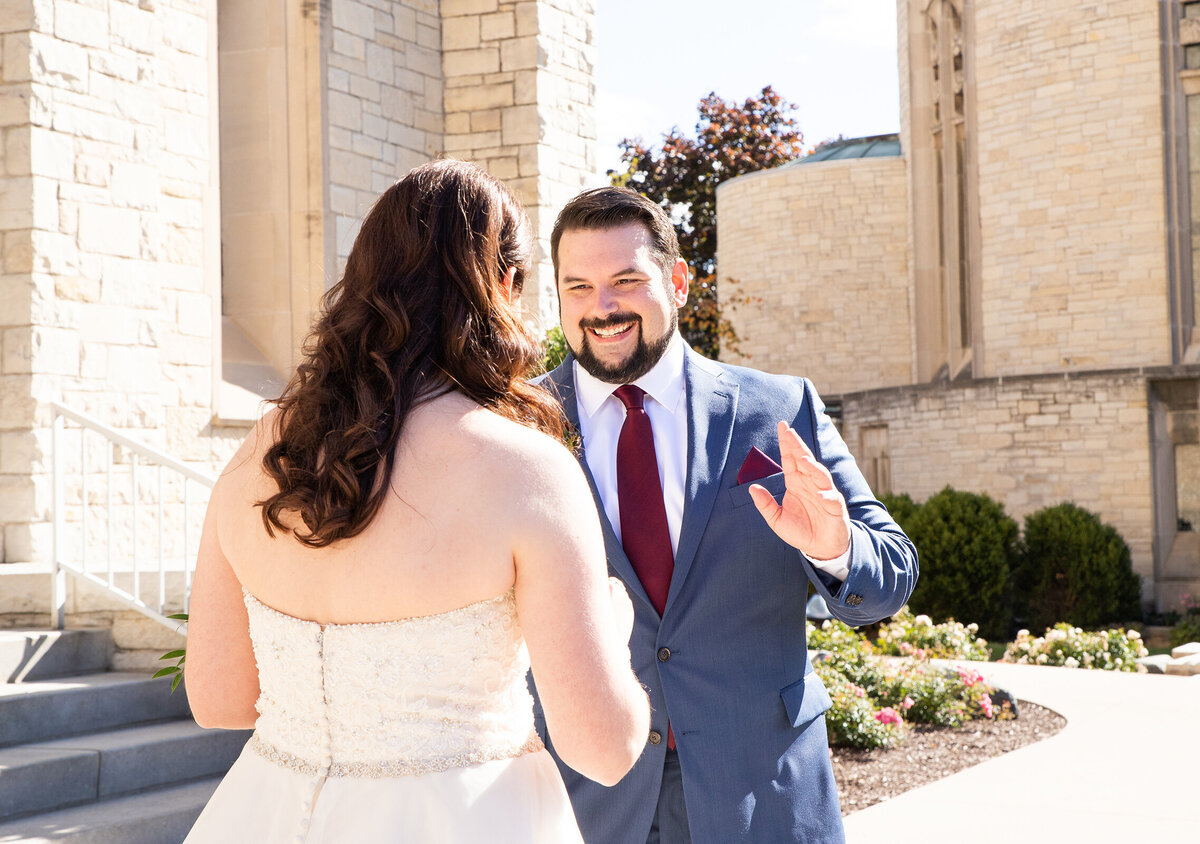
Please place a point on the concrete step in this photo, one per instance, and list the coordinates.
(28, 655)
(51, 775)
(69, 706)
(161, 816)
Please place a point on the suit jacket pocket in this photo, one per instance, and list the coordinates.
(805, 699)
(739, 496)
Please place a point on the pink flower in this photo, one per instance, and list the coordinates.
(907, 703)
(887, 715)
(985, 703)
(859, 691)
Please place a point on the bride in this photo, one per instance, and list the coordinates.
(392, 548)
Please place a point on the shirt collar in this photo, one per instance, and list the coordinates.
(663, 383)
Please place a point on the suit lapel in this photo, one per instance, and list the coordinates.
(712, 402)
(561, 382)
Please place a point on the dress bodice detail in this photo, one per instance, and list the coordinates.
(395, 698)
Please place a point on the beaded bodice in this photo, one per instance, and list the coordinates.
(394, 698)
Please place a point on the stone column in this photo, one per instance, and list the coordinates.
(520, 101)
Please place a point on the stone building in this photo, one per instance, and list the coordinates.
(1008, 302)
(182, 181)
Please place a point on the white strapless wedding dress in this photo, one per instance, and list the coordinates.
(419, 730)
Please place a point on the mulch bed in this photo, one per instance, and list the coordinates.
(867, 777)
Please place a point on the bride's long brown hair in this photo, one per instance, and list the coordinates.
(420, 311)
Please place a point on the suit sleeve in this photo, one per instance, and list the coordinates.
(883, 561)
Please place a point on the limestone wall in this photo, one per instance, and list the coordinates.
(821, 250)
(107, 170)
(384, 77)
(1027, 442)
(1071, 201)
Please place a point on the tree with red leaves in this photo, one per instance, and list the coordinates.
(682, 176)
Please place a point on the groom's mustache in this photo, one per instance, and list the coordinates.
(610, 321)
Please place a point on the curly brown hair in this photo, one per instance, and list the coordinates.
(419, 312)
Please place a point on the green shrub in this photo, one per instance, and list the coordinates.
(1074, 569)
(1071, 647)
(901, 507)
(966, 544)
(555, 346)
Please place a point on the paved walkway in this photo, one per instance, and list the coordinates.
(1125, 768)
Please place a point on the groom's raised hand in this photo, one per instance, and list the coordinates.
(813, 517)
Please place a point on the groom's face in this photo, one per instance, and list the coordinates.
(617, 308)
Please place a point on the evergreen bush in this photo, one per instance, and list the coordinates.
(901, 507)
(1074, 569)
(967, 546)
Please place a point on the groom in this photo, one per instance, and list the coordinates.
(687, 458)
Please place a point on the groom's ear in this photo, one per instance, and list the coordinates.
(679, 282)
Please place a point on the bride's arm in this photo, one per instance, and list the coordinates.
(220, 675)
(578, 634)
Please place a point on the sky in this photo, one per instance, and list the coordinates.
(655, 59)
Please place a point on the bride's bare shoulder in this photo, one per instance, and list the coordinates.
(509, 452)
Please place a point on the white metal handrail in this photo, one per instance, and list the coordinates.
(170, 516)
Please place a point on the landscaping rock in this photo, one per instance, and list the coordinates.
(1155, 664)
(1185, 666)
(1001, 696)
(1190, 649)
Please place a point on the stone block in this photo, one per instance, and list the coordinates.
(16, 58)
(354, 17)
(454, 8)
(381, 64)
(467, 62)
(81, 24)
(477, 97)
(519, 54)
(521, 125)
(527, 18)
(109, 231)
(460, 33)
(134, 28)
(185, 31)
(497, 26)
(345, 111)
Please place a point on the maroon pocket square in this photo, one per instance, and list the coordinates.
(757, 466)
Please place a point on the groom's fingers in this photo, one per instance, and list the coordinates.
(765, 503)
(798, 458)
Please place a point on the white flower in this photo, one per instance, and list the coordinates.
(1071, 662)
(923, 620)
(1022, 634)
(1133, 634)
(1041, 659)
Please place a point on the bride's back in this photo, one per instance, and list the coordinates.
(442, 539)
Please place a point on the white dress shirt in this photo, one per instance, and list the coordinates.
(601, 416)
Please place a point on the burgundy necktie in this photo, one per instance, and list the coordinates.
(644, 533)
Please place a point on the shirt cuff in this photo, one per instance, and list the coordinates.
(838, 567)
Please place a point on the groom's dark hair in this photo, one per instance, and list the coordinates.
(610, 208)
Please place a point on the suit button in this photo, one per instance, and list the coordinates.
(655, 737)
(853, 600)
(664, 654)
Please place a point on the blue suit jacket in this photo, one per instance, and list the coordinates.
(737, 685)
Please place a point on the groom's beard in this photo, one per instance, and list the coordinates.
(640, 361)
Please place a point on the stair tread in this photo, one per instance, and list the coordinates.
(74, 683)
(129, 818)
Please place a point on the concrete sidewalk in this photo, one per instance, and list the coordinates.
(1124, 769)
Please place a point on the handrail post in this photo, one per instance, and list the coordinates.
(58, 577)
